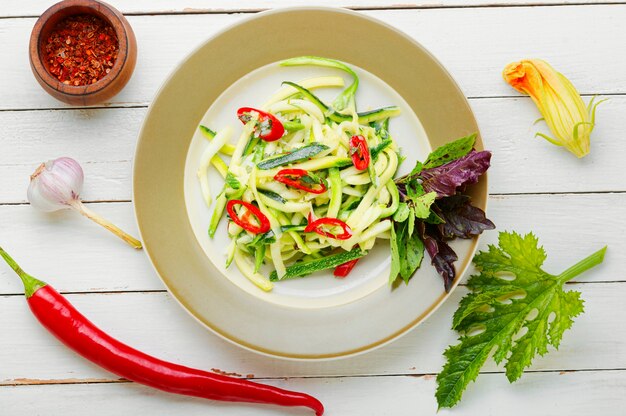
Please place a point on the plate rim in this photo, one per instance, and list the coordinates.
(461, 268)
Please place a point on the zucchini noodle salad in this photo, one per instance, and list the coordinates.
(309, 185)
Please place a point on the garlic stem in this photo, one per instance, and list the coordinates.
(83, 210)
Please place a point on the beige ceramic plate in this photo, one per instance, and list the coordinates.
(303, 319)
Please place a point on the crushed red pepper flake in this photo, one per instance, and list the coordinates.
(81, 50)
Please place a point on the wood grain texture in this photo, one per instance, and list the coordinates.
(581, 393)
(36, 7)
(160, 327)
(78, 256)
(453, 35)
(103, 140)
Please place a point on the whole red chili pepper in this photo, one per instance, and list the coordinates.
(268, 127)
(360, 152)
(301, 179)
(244, 221)
(316, 226)
(344, 269)
(72, 328)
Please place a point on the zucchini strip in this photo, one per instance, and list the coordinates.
(230, 252)
(311, 83)
(363, 118)
(360, 179)
(285, 207)
(292, 126)
(262, 207)
(219, 165)
(395, 200)
(216, 144)
(292, 232)
(334, 179)
(277, 188)
(227, 149)
(309, 108)
(346, 98)
(375, 230)
(308, 267)
(277, 259)
(371, 193)
(349, 190)
(297, 155)
(218, 210)
(241, 260)
(242, 142)
(312, 165)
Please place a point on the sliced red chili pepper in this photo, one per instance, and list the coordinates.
(268, 127)
(301, 179)
(360, 152)
(244, 222)
(316, 226)
(344, 269)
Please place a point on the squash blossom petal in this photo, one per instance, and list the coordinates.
(567, 116)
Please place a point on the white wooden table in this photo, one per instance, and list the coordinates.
(574, 206)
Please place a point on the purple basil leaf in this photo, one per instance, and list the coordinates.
(462, 219)
(441, 254)
(446, 179)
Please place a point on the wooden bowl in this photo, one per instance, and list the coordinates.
(104, 88)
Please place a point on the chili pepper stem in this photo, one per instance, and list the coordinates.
(83, 210)
(30, 283)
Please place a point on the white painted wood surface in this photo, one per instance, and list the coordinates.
(41, 357)
(473, 43)
(20, 8)
(574, 206)
(579, 394)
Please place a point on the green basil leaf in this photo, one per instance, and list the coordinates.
(402, 213)
(411, 222)
(451, 151)
(413, 259)
(232, 181)
(421, 205)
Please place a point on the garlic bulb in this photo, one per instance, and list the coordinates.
(56, 185)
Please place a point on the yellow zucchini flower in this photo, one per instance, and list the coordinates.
(567, 116)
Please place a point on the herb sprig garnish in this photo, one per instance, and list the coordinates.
(433, 210)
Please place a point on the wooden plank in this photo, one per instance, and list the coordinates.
(36, 7)
(160, 327)
(581, 393)
(523, 163)
(72, 252)
(103, 140)
(455, 36)
(79, 256)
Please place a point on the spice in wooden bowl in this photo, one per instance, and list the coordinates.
(81, 50)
